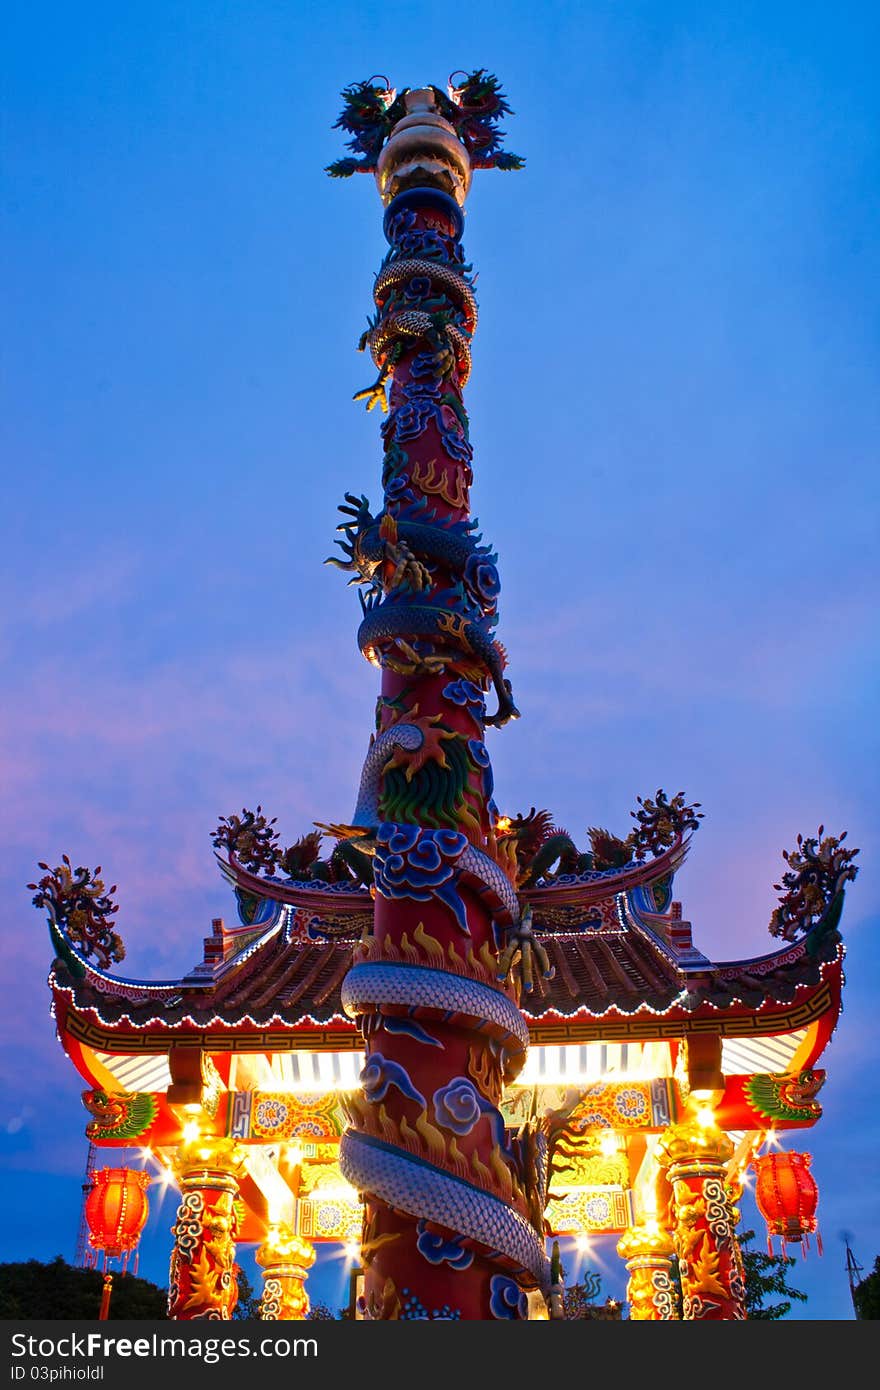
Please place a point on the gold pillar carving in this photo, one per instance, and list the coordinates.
(285, 1259)
(648, 1251)
(734, 1189)
(695, 1154)
(202, 1282)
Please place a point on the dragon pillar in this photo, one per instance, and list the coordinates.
(695, 1155)
(202, 1282)
(453, 1224)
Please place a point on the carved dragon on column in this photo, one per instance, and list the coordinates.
(454, 1205)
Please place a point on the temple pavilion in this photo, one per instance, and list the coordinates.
(456, 1038)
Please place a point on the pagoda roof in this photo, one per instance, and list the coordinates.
(627, 972)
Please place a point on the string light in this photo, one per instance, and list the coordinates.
(609, 1143)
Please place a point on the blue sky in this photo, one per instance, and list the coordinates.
(674, 409)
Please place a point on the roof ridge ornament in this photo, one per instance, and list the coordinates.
(81, 914)
(811, 892)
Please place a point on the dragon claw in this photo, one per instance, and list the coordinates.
(506, 710)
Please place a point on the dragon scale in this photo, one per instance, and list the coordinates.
(389, 621)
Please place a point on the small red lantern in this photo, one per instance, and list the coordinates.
(787, 1198)
(116, 1210)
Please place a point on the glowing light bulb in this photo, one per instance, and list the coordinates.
(276, 1210)
(190, 1131)
(164, 1178)
(608, 1144)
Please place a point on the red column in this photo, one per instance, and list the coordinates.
(202, 1281)
(695, 1155)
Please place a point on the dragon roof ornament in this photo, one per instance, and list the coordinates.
(811, 891)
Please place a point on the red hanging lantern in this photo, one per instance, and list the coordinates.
(787, 1198)
(116, 1210)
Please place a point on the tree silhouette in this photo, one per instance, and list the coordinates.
(248, 1305)
(866, 1294)
(767, 1275)
(57, 1290)
(320, 1312)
